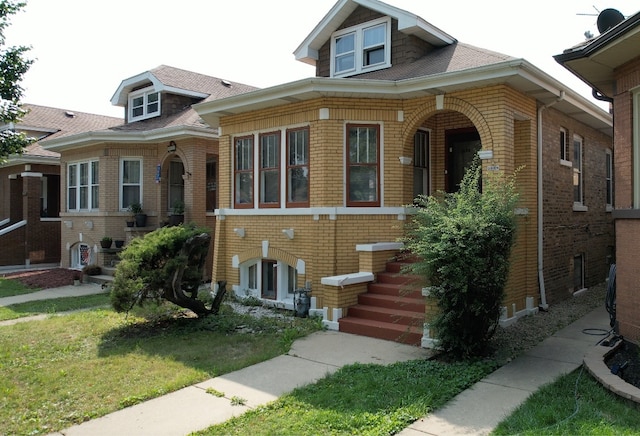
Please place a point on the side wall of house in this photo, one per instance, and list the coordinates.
(574, 231)
(627, 218)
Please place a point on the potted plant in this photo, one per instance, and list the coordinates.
(138, 214)
(177, 213)
(106, 241)
(119, 243)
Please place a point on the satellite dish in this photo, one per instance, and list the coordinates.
(609, 18)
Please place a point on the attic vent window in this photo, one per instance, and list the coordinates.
(360, 49)
(226, 83)
(70, 114)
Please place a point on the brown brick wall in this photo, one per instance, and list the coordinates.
(567, 232)
(627, 230)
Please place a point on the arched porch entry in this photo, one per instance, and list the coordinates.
(442, 143)
(173, 184)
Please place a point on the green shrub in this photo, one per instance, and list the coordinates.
(157, 267)
(463, 241)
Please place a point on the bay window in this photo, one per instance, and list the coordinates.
(363, 165)
(270, 170)
(298, 167)
(244, 172)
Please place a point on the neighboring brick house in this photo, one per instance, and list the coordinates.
(316, 176)
(610, 63)
(162, 154)
(30, 187)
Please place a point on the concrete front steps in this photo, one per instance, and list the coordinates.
(393, 308)
(103, 279)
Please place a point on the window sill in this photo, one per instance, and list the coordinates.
(566, 163)
(609, 208)
(577, 207)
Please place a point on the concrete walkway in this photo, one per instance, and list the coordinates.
(475, 411)
(479, 409)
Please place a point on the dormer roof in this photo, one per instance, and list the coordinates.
(408, 23)
(166, 79)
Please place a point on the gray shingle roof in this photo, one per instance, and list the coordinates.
(454, 57)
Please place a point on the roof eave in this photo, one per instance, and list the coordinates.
(518, 73)
(595, 62)
(87, 139)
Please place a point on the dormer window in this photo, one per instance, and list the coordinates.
(144, 104)
(361, 49)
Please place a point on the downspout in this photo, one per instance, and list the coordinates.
(543, 294)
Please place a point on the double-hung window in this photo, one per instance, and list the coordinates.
(362, 48)
(130, 182)
(82, 186)
(144, 104)
(564, 147)
(270, 169)
(298, 167)
(578, 182)
(243, 176)
(608, 159)
(363, 165)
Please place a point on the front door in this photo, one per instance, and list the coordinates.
(462, 147)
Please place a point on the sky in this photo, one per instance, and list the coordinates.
(83, 49)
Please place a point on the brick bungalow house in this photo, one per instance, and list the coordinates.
(30, 187)
(610, 64)
(163, 154)
(316, 176)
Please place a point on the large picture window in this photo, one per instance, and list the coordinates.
(298, 168)
(244, 172)
(363, 170)
(130, 182)
(362, 48)
(83, 186)
(270, 169)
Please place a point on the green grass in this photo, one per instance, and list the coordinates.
(575, 404)
(362, 399)
(52, 306)
(65, 370)
(9, 288)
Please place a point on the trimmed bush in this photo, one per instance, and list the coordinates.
(463, 241)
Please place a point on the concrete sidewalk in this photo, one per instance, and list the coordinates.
(479, 409)
(51, 293)
(192, 408)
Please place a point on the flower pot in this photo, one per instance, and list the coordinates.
(105, 244)
(174, 220)
(141, 220)
(130, 223)
(119, 243)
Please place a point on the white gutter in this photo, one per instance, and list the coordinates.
(543, 293)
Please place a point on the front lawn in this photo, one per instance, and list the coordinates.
(362, 399)
(65, 370)
(575, 404)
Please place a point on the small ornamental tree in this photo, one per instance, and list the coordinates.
(13, 66)
(463, 241)
(164, 264)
